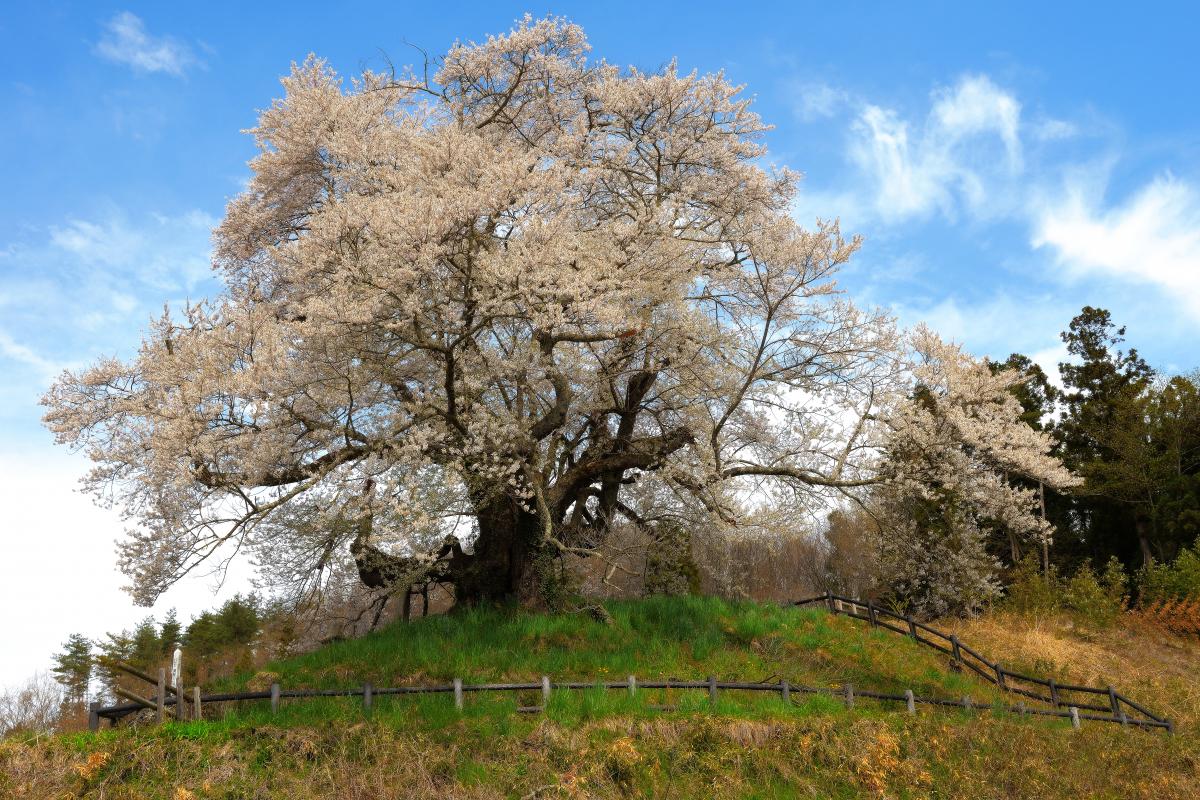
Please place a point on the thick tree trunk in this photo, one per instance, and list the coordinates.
(502, 567)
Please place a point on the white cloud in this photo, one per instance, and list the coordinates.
(166, 252)
(1050, 130)
(126, 41)
(15, 351)
(998, 324)
(966, 156)
(109, 243)
(1152, 238)
(1048, 359)
(977, 106)
(952, 156)
(86, 289)
(819, 100)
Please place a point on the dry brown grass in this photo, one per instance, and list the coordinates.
(1155, 668)
(856, 754)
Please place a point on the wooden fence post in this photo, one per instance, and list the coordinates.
(785, 691)
(160, 708)
(1054, 693)
(632, 686)
(912, 626)
(368, 698)
(871, 614)
(848, 695)
(1113, 702)
(957, 654)
(966, 702)
(712, 689)
(545, 691)
(1000, 677)
(829, 602)
(93, 717)
(197, 714)
(910, 701)
(274, 698)
(1074, 717)
(458, 694)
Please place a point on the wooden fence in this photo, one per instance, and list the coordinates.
(1057, 695)
(1117, 710)
(847, 694)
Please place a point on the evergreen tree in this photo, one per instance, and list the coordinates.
(170, 633)
(73, 667)
(1103, 417)
(223, 637)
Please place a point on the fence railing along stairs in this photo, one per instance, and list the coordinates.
(1120, 708)
(1061, 696)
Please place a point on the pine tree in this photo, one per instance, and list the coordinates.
(170, 633)
(73, 667)
(1103, 416)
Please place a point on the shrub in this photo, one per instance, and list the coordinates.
(1096, 600)
(1029, 591)
(35, 707)
(1177, 580)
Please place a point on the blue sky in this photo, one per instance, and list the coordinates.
(1006, 167)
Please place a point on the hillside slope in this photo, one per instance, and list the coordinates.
(597, 744)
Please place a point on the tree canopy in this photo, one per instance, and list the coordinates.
(516, 296)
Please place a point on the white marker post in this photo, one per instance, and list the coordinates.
(176, 663)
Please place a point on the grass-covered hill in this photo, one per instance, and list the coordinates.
(593, 743)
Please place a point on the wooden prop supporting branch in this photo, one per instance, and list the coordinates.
(134, 698)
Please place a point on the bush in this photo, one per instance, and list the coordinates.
(670, 569)
(1030, 592)
(35, 707)
(1096, 600)
(1178, 580)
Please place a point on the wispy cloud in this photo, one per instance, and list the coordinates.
(1152, 237)
(990, 323)
(168, 252)
(15, 351)
(126, 41)
(916, 170)
(1052, 130)
(819, 100)
(87, 286)
(971, 154)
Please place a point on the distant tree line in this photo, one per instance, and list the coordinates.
(216, 642)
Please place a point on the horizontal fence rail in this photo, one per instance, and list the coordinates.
(847, 694)
(1058, 695)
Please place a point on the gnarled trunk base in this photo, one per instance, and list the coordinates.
(509, 562)
(502, 567)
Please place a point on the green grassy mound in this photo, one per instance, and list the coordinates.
(594, 743)
(656, 639)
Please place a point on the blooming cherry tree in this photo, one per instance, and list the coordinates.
(519, 297)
